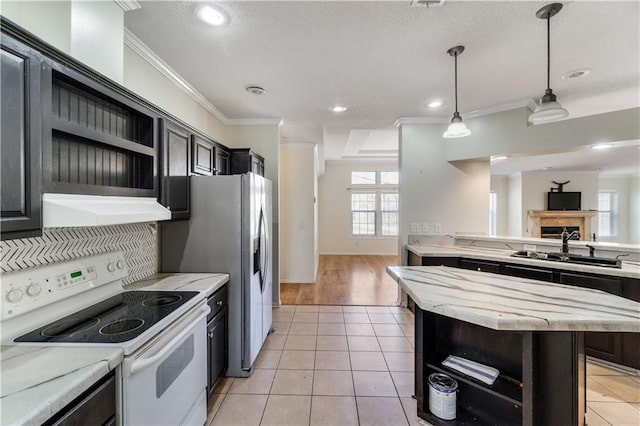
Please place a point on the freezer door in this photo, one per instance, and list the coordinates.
(258, 279)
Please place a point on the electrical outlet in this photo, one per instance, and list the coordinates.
(529, 247)
(438, 228)
(425, 228)
(414, 228)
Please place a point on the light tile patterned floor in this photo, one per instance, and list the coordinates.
(354, 365)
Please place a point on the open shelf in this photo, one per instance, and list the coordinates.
(463, 418)
(501, 388)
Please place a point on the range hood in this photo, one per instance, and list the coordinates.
(68, 210)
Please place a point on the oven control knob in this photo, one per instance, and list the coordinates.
(34, 289)
(14, 295)
(120, 264)
(111, 266)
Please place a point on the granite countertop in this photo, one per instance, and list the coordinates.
(207, 283)
(629, 269)
(37, 382)
(510, 303)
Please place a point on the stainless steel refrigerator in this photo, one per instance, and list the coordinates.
(229, 231)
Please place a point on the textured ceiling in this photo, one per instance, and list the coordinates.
(385, 59)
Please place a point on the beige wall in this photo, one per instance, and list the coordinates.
(90, 31)
(334, 211)
(508, 132)
(298, 213)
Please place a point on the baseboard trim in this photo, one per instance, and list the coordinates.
(296, 281)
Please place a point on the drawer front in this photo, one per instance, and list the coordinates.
(98, 405)
(476, 265)
(527, 272)
(217, 302)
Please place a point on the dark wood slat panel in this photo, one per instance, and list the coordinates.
(86, 133)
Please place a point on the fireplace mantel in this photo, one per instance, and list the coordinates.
(565, 218)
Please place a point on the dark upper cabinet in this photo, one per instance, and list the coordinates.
(244, 160)
(223, 160)
(174, 189)
(202, 156)
(23, 90)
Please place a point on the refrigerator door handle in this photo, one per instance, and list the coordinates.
(259, 251)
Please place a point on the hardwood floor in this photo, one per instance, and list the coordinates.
(346, 280)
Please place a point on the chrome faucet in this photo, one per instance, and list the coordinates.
(566, 236)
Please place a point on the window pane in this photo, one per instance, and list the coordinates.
(389, 213)
(389, 178)
(363, 213)
(363, 178)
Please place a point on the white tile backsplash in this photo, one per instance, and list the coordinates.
(138, 241)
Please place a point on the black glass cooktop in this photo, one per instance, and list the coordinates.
(115, 320)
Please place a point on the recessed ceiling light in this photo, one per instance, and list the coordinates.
(255, 90)
(338, 108)
(435, 104)
(211, 15)
(583, 72)
(601, 146)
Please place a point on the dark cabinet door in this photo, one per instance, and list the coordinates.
(244, 160)
(223, 161)
(174, 192)
(202, 156)
(21, 139)
(607, 346)
(217, 349)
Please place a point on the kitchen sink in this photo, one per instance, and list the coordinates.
(569, 258)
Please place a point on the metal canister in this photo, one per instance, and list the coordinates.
(442, 396)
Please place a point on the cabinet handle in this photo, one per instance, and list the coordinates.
(219, 302)
(211, 335)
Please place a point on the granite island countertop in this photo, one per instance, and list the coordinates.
(503, 302)
(630, 269)
(37, 382)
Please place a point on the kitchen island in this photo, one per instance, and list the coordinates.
(531, 331)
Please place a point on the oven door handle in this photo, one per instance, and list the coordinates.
(142, 363)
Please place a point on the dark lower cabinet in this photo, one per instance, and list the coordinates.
(96, 406)
(531, 272)
(23, 93)
(217, 339)
(174, 190)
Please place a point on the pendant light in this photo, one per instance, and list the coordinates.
(548, 109)
(457, 128)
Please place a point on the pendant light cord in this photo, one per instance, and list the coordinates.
(455, 61)
(548, 52)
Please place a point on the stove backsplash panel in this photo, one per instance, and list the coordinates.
(138, 241)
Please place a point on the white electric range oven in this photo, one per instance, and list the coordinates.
(162, 380)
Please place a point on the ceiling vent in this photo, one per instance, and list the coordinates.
(426, 3)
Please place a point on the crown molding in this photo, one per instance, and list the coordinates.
(128, 5)
(420, 120)
(300, 145)
(155, 61)
(254, 122)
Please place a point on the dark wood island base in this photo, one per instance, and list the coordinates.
(542, 373)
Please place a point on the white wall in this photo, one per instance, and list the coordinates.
(433, 190)
(298, 213)
(634, 210)
(334, 211)
(90, 31)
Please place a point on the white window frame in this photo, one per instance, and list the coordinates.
(613, 215)
(378, 189)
